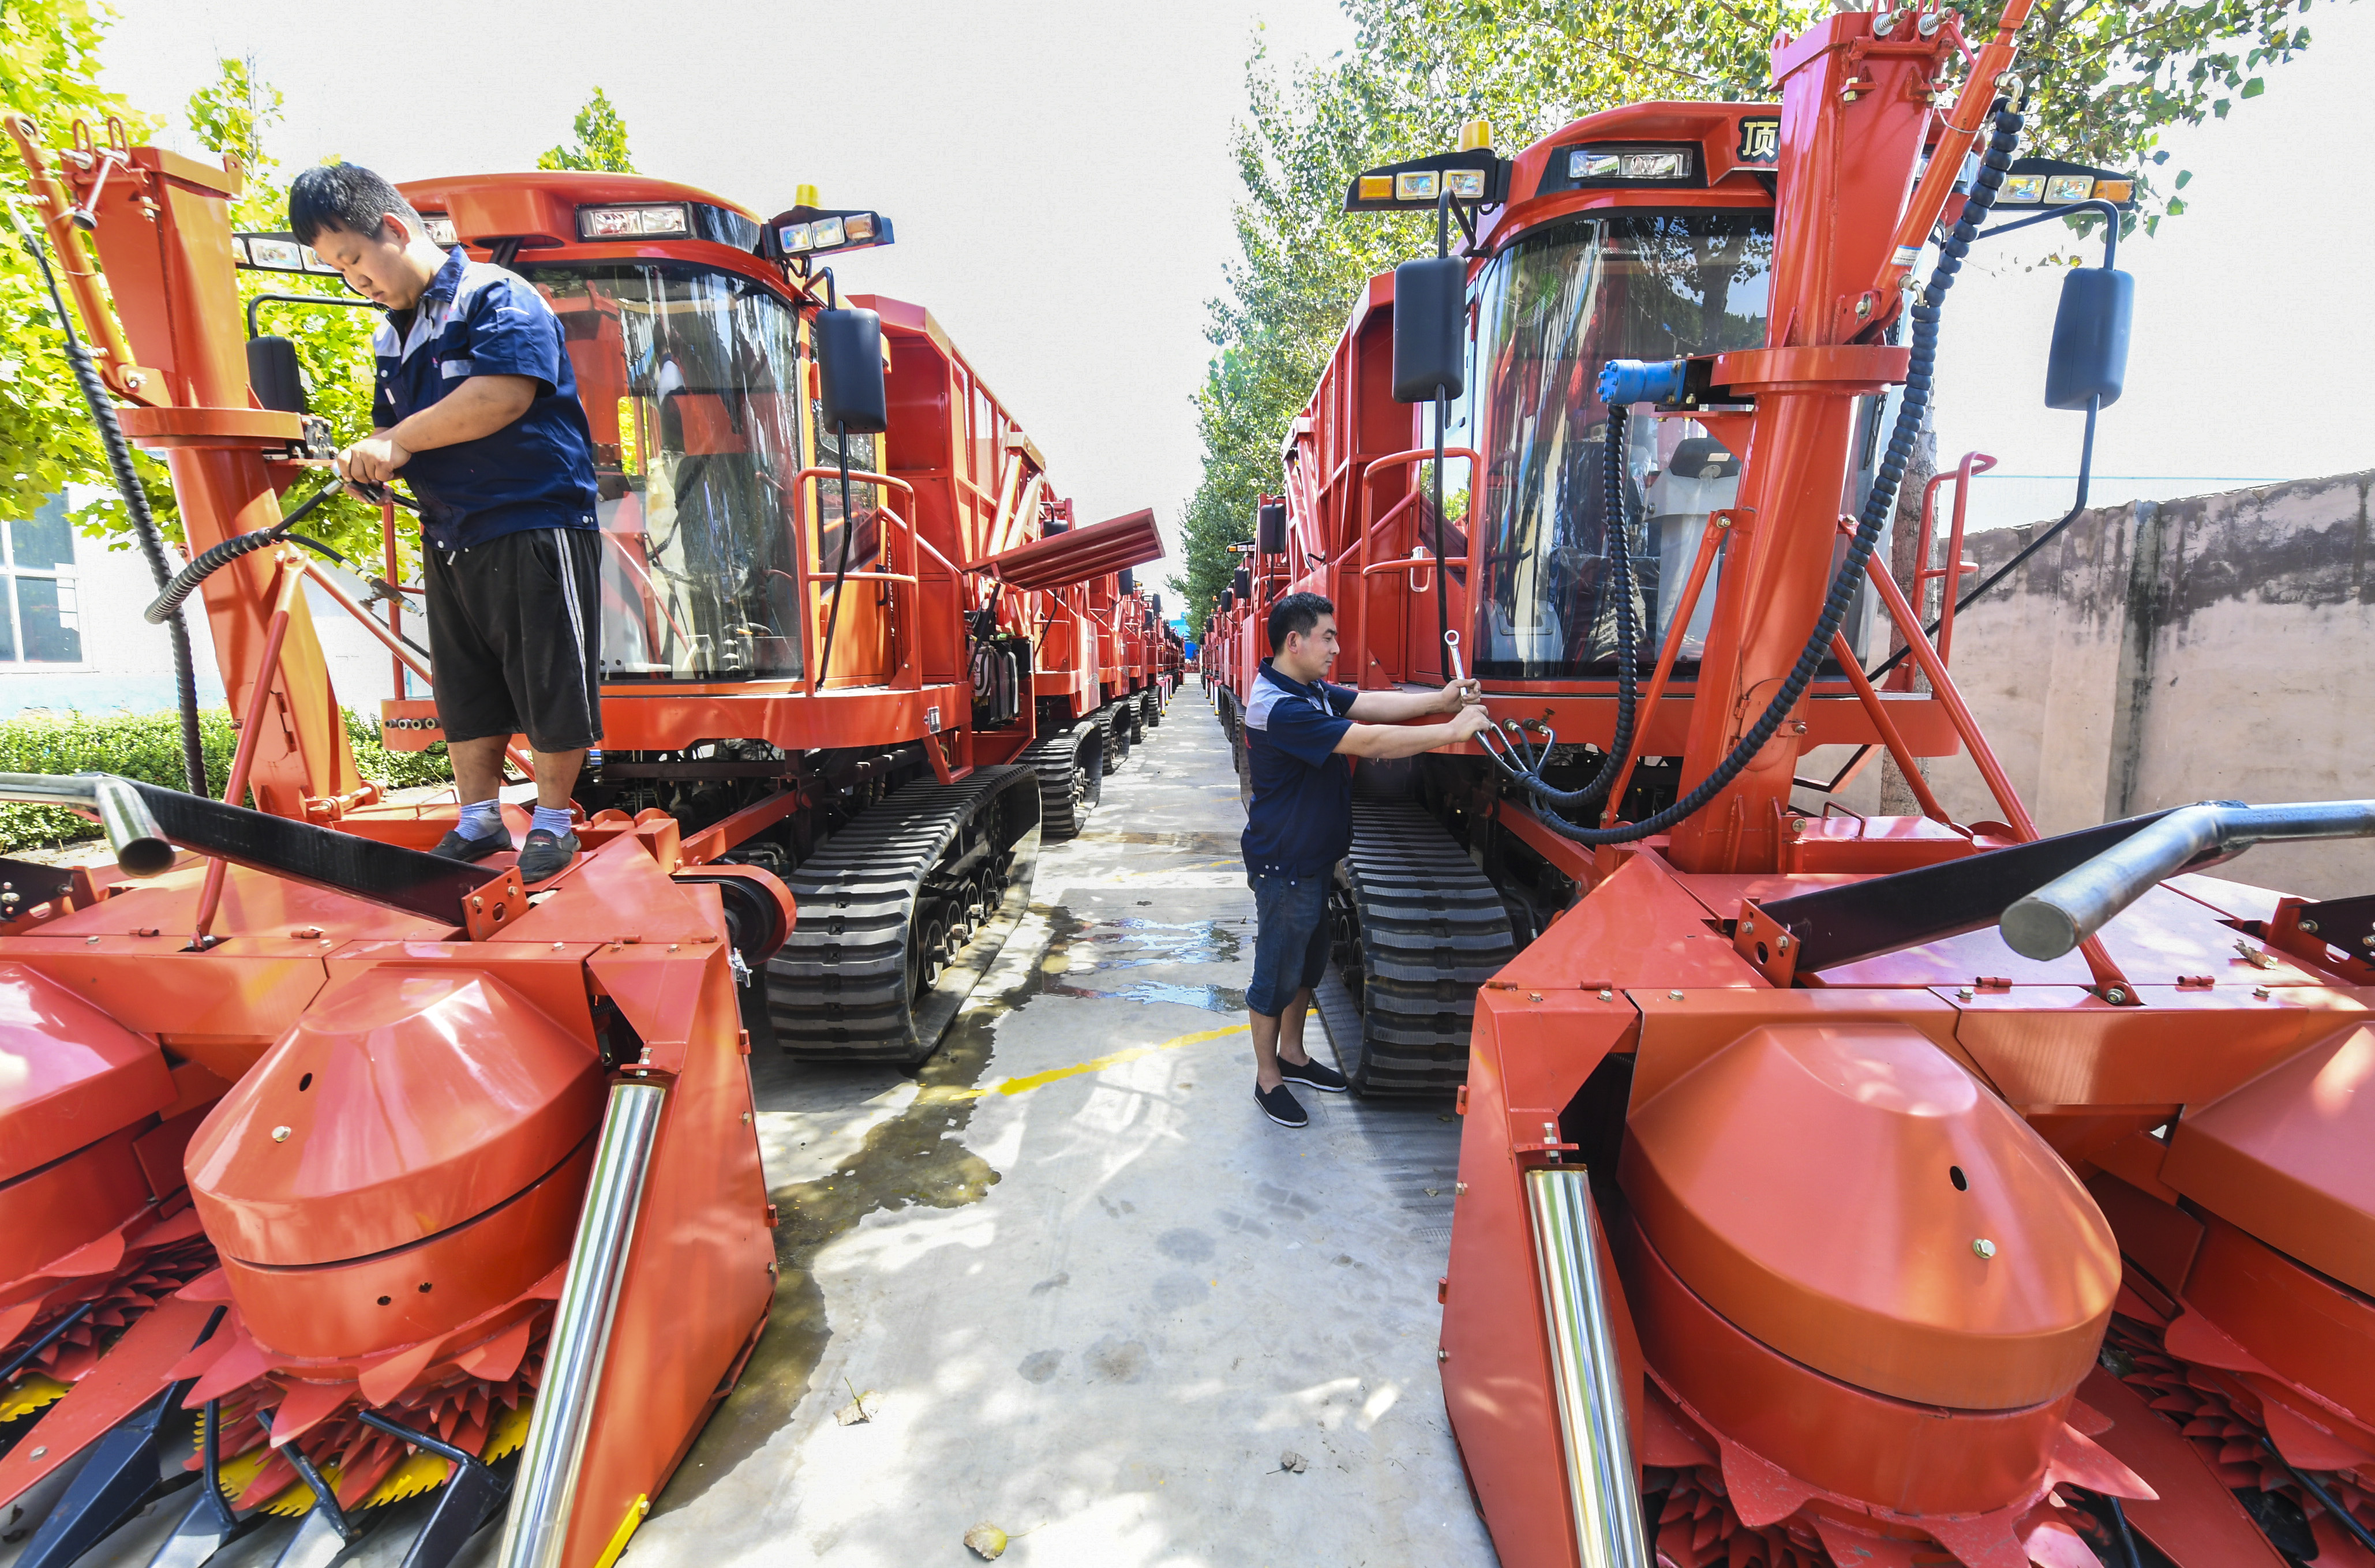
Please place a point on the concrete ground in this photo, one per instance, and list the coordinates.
(1082, 1288)
(1079, 1288)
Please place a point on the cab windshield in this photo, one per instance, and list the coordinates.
(689, 380)
(1552, 311)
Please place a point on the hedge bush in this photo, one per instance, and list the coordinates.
(148, 747)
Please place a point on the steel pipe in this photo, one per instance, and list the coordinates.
(2080, 901)
(141, 848)
(1601, 1487)
(544, 1491)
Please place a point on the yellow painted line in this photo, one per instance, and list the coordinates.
(1096, 1065)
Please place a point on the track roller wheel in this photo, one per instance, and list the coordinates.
(1071, 768)
(1417, 929)
(883, 955)
(1117, 735)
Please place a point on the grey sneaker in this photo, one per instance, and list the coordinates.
(456, 846)
(546, 854)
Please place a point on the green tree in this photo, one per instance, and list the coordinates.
(2110, 78)
(49, 71)
(601, 141)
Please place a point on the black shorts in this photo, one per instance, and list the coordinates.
(514, 628)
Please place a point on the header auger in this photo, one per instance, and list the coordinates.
(1834, 1189)
(337, 1172)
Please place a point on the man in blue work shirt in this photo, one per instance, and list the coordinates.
(476, 408)
(1299, 732)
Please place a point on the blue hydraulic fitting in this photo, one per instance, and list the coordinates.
(1623, 382)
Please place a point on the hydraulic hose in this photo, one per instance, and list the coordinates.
(144, 521)
(1878, 504)
(1619, 534)
(168, 601)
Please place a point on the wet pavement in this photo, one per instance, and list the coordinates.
(1080, 1289)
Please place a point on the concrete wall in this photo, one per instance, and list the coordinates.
(2157, 653)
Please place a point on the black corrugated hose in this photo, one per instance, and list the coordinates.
(143, 523)
(1878, 504)
(168, 603)
(1617, 533)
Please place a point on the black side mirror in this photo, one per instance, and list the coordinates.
(1243, 582)
(272, 372)
(1228, 600)
(849, 364)
(1129, 581)
(1270, 526)
(1154, 606)
(1430, 329)
(2089, 358)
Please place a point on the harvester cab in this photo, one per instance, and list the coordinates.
(346, 1173)
(1835, 1189)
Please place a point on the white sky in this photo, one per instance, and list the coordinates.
(1059, 174)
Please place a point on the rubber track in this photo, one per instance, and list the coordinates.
(1055, 759)
(1432, 931)
(838, 988)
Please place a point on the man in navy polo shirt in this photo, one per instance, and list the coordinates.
(1299, 730)
(477, 408)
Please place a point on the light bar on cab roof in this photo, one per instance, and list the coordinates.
(652, 221)
(1593, 163)
(277, 252)
(442, 233)
(807, 232)
(2046, 181)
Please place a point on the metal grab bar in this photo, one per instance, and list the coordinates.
(538, 1524)
(140, 845)
(2080, 901)
(1600, 1477)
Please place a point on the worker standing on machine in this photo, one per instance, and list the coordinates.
(476, 405)
(1299, 730)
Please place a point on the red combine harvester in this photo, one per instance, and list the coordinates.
(1834, 1190)
(337, 1172)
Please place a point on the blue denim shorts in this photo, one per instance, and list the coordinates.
(1290, 938)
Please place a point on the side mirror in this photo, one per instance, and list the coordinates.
(849, 366)
(1430, 329)
(1228, 600)
(1269, 526)
(1129, 581)
(1243, 582)
(272, 372)
(2089, 359)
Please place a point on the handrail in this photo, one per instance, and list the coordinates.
(2080, 901)
(1973, 465)
(1367, 526)
(903, 655)
(2108, 980)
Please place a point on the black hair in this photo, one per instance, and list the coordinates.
(344, 195)
(1294, 613)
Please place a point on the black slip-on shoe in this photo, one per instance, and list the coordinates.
(456, 846)
(546, 853)
(1281, 1106)
(1316, 1074)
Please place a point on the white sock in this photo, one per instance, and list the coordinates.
(480, 820)
(553, 819)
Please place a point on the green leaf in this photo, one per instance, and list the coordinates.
(2254, 87)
